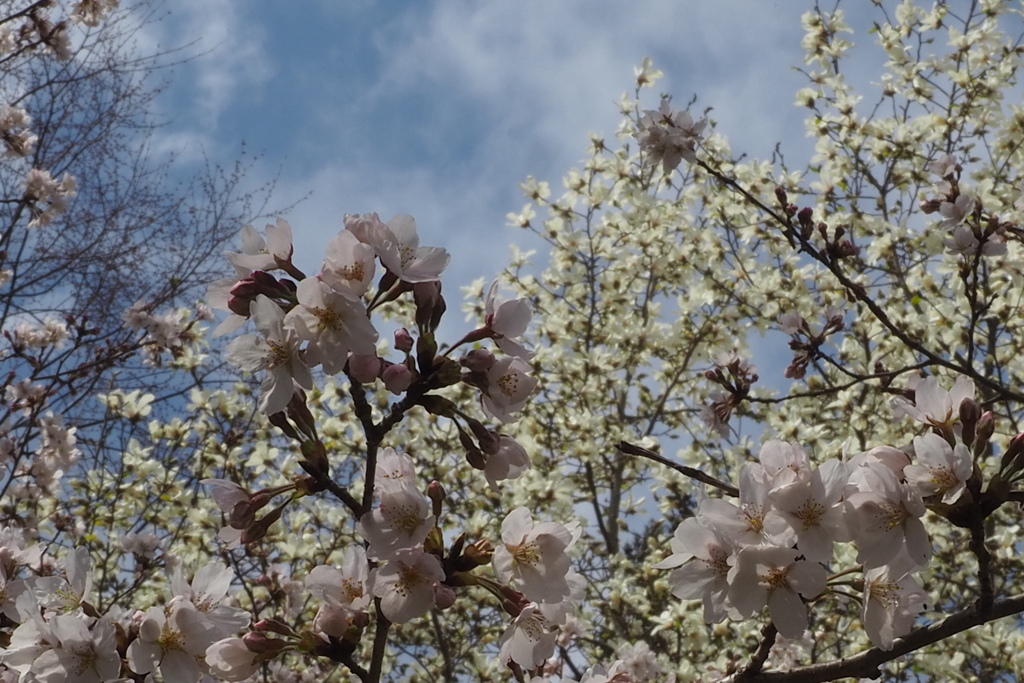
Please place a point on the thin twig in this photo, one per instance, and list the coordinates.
(633, 449)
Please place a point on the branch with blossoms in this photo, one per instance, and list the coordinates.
(776, 548)
(403, 567)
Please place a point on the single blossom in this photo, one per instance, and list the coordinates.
(934, 405)
(508, 388)
(508, 322)
(941, 469)
(704, 558)
(534, 555)
(333, 324)
(406, 584)
(529, 640)
(260, 254)
(349, 265)
(883, 517)
(774, 576)
(401, 521)
(231, 660)
(173, 640)
(276, 350)
(814, 510)
(892, 601)
(509, 461)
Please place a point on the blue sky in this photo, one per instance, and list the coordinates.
(439, 109)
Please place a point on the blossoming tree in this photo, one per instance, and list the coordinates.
(611, 492)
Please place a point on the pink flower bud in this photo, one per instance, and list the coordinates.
(397, 378)
(364, 368)
(478, 360)
(259, 643)
(444, 596)
(403, 340)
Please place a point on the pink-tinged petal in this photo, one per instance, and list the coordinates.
(179, 666)
(788, 612)
(144, 655)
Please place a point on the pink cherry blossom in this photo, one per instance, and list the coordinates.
(508, 321)
(932, 404)
(401, 521)
(706, 558)
(349, 265)
(333, 324)
(406, 584)
(883, 517)
(529, 640)
(230, 660)
(774, 576)
(534, 555)
(509, 388)
(892, 601)
(276, 351)
(941, 469)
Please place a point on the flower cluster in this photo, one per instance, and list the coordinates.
(60, 636)
(669, 136)
(775, 547)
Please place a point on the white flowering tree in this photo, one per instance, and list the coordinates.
(593, 483)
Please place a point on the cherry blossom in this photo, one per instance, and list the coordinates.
(508, 321)
(893, 599)
(406, 584)
(276, 351)
(934, 405)
(172, 640)
(333, 324)
(534, 555)
(401, 521)
(83, 655)
(349, 265)
(774, 576)
(529, 640)
(230, 660)
(941, 469)
(509, 388)
(260, 254)
(706, 558)
(883, 517)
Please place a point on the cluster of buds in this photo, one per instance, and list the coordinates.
(837, 244)
(805, 342)
(736, 376)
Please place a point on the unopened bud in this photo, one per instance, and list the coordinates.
(444, 596)
(970, 412)
(274, 626)
(397, 378)
(986, 427)
(260, 643)
(430, 305)
(438, 405)
(403, 340)
(436, 494)
(478, 360)
(364, 368)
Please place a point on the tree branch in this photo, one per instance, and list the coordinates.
(865, 664)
